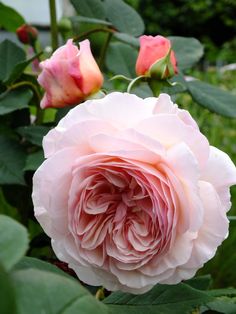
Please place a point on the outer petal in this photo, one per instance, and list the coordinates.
(213, 230)
(169, 129)
(221, 173)
(92, 78)
(51, 184)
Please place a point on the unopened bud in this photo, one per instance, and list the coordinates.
(27, 34)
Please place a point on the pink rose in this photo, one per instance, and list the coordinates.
(156, 50)
(131, 193)
(69, 76)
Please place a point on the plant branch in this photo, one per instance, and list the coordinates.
(39, 111)
(54, 28)
(104, 50)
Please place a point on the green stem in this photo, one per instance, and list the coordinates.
(135, 81)
(39, 111)
(54, 28)
(104, 50)
(26, 83)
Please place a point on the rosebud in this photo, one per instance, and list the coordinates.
(27, 34)
(156, 58)
(69, 76)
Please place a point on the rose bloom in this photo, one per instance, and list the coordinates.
(131, 193)
(152, 50)
(69, 76)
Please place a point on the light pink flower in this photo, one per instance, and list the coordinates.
(152, 50)
(131, 193)
(69, 76)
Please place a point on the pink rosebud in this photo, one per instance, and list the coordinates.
(27, 34)
(156, 58)
(69, 76)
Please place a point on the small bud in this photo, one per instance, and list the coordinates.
(27, 34)
(156, 58)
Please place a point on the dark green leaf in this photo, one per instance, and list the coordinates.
(222, 305)
(10, 19)
(34, 133)
(31, 262)
(89, 8)
(7, 209)
(61, 112)
(213, 98)
(7, 297)
(15, 99)
(19, 69)
(13, 241)
(89, 20)
(179, 86)
(188, 51)
(33, 161)
(124, 17)
(50, 293)
(163, 299)
(142, 90)
(127, 39)
(121, 59)
(200, 282)
(12, 162)
(222, 292)
(10, 56)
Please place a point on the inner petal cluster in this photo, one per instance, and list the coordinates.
(121, 212)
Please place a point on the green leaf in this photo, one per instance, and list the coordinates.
(179, 86)
(188, 51)
(142, 90)
(10, 19)
(7, 297)
(12, 162)
(124, 17)
(34, 160)
(13, 241)
(19, 69)
(200, 282)
(163, 299)
(89, 8)
(15, 99)
(127, 39)
(48, 293)
(121, 59)
(222, 292)
(34, 133)
(89, 20)
(213, 98)
(31, 262)
(10, 56)
(222, 305)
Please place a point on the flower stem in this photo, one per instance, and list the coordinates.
(54, 28)
(104, 50)
(39, 111)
